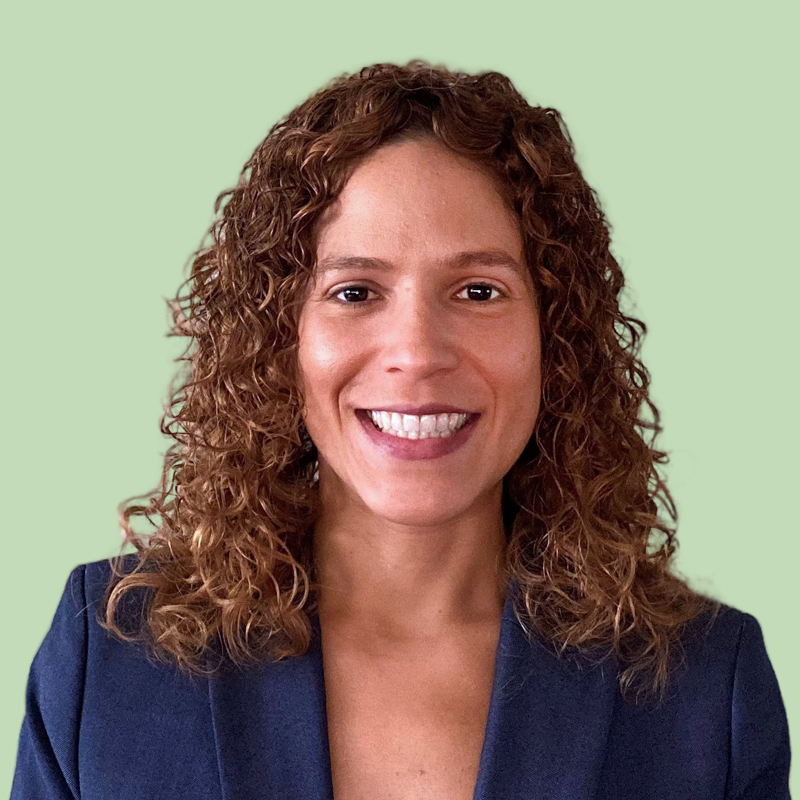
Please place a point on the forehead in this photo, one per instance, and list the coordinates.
(415, 194)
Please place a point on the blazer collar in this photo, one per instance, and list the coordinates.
(545, 737)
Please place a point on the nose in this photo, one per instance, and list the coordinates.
(417, 337)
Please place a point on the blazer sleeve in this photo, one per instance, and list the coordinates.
(760, 751)
(47, 756)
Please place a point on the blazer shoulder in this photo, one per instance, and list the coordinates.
(716, 625)
(760, 747)
(729, 647)
(48, 749)
(96, 577)
(713, 639)
(99, 573)
(130, 618)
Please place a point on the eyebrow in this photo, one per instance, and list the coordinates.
(469, 258)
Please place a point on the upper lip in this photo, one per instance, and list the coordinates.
(430, 408)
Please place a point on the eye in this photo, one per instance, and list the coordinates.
(350, 291)
(486, 288)
(354, 291)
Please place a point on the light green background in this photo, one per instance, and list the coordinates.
(123, 122)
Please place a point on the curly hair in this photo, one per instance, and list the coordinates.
(230, 562)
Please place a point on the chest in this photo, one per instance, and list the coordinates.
(407, 722)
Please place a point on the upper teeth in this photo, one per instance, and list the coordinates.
(411, 426)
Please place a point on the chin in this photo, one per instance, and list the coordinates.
(421, 515)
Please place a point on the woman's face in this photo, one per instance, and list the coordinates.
(439, 309)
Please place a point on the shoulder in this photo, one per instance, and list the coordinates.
(87, 583)
(82, 598)
(78, 629)
(729, 645)
(759, 743)
(89, 690)
(57, 687)
(725, 647)
(726, 705)
(713, 638)
(754, 709)
(75, 635)
(92, 577)
(97, 575)
(82, 594)
(723, 722)
(113, 663)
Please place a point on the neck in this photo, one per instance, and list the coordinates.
(406, 582)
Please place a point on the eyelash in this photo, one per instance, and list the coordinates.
(340, 289)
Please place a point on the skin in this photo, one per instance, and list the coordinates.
(407, 550)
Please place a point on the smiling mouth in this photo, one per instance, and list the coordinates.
(409, 426)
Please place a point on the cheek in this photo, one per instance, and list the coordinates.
(319, 348)
(518, 369)
(323, 359)
(514, 353)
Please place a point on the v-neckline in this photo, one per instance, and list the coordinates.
(499, 680)
(545, 735)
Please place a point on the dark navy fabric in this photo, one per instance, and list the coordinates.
(102, 722)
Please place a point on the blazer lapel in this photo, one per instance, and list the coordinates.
(549, 721)
(271, 728)
(545, 735)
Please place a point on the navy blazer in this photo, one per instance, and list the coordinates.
(102, 722)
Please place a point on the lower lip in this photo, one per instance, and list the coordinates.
(414, 449)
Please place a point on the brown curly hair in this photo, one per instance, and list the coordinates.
(230, 562)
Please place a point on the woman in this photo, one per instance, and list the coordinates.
(408, 441)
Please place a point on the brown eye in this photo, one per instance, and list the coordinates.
(355, 295)
(482, 292)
